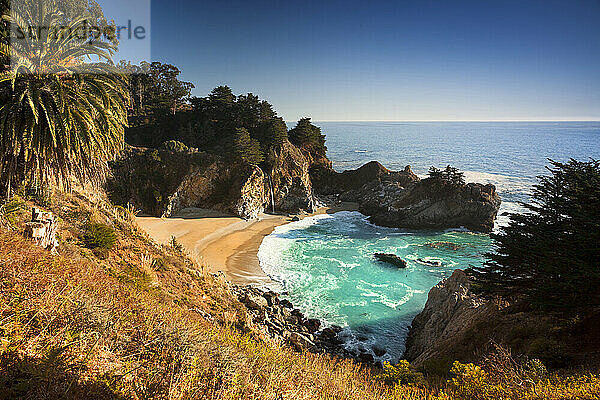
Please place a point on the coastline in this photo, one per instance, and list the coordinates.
(222, 242)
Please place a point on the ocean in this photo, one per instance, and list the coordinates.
(325, 263)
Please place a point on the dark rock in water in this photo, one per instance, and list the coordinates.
(366, 357)
(391, 259)
(328, 333)
(432, 263)
(286, 303)
(336, 328)
(297, 313)
(295, 218)
(379, 351)
(362, 338)
(312, 325)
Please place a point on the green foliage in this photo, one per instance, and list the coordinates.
(272, 133)
(10, 209)
(246, 148)
(60, 117)
(99, 236)
(449, 175)
(155, 90)
(308, 136)
(174, 145)
(401, 374)
(549, 257)
(550, 351)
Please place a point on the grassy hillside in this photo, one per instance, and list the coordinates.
(127, 319)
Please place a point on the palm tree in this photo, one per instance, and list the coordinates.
(62, 116)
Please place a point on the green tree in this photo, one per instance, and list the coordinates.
(449, 175)
(272, 132)
(60, 117)
(245, 148)
(549, 256)
(308, 136)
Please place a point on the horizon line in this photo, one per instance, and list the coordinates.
(466, 120)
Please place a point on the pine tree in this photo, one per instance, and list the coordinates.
(245, 148)
(550, 256)
(308, 136)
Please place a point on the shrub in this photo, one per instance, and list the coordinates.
(550, 351)
(174, 145)
(175, 244)
(401, 374)
(99, 236)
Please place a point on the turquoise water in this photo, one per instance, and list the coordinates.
(326, 262)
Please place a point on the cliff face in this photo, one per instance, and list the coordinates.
(162, 182)
(288, 176)
(451, 316)
(234, 188)
(401, 199)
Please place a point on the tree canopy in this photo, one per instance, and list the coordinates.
(246, 148)
(308, 136)
(60, 116)
(549, 256)
(449, 175)
(155, 90)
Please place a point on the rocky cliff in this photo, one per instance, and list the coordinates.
(447, 323)
(288, 178)
(401, 199)
(458, 324)
(164, 181)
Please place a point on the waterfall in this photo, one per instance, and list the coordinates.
(271, 192)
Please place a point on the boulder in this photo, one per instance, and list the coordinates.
(391, 259)
(254, 301)
(312, 325)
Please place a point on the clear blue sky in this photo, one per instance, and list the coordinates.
(392, 60)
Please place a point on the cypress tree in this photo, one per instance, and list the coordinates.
(245, 148)
(550, 255)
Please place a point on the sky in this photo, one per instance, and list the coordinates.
(403, 60)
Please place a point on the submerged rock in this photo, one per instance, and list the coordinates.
(391, 259)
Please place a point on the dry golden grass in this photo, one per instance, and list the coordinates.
(125, 326)
(144, 322)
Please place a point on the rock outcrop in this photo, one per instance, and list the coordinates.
(402, 200)
(288, 178)
(430, 204)
(279, 320)
(42, 229)
(327, 181)
(452, 311)
(234, 188)
(167, 180)
(458, 324)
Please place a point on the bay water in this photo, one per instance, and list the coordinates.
(325, 263)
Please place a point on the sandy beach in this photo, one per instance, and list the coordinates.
(224, 242)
